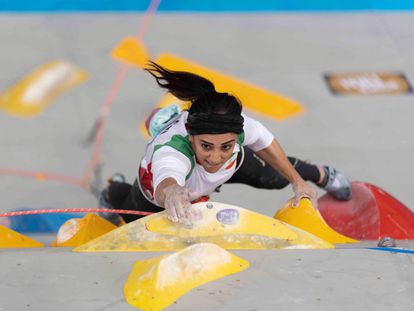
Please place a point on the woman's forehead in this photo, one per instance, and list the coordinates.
(217, 139)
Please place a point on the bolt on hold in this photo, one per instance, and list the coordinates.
(387, 242)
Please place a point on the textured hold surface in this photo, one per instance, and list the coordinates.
(252, 231)
(156, 283)
(305, 217)
(12, 239)
(371, 214)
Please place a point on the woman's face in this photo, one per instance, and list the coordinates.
(213, 150)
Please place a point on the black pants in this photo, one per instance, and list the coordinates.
(253, 172)
(257, 173)
(130, 197)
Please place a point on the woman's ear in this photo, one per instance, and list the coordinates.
(191, 138)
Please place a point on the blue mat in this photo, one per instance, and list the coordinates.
(43, 223)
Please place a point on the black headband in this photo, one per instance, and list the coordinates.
(205, 123)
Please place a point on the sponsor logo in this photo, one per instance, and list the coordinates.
(368, 83)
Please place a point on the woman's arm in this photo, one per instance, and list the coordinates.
(169, 168)
(160, 190)
(276, 158)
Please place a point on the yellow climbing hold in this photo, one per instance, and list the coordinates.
(228, 226)
(12, 239)
(255, 98)
(33, 93)
(305, 217)
(156, 283)
(131, 51)
(77, 231)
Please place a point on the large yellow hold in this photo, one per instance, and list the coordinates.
(268, 103)
(32, 94)
(228, 226)
(156, 283)
(257, 99)
(12, 239)
(305, 217)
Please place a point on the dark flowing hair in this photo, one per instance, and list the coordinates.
(210, 111)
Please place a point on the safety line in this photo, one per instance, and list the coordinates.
(73, 210)
(392, 250)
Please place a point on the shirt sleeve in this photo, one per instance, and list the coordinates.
(169, 163)
(256, 136)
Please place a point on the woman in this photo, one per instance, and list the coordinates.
(212, 143)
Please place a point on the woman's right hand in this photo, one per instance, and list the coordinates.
(177, 204)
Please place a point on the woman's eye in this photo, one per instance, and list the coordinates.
(226, 147)
(205, 146)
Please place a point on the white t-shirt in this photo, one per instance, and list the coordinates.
(170, 155)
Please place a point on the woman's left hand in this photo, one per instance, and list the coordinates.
(303, 190)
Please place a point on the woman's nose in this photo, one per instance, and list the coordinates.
(215, 157)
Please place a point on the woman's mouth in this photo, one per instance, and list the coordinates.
(210, 165)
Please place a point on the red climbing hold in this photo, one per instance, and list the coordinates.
(371, 214)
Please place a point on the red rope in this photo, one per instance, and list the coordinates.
(73, 210)
(41, 176)
(112, 94)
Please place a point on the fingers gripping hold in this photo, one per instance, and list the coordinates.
(178, 204)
